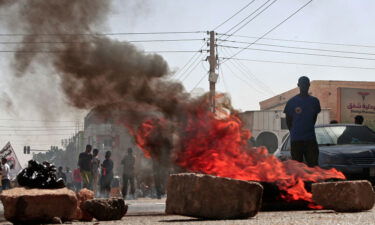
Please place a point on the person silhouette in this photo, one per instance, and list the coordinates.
(301, 114)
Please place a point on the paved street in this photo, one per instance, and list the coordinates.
(149, 211)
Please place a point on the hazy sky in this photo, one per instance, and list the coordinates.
(333, 21)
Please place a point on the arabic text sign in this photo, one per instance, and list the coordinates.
(355, 101)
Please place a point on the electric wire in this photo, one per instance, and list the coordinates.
(93, 41)
(200, 81)
(188, 62)
(235, 14)
(303, 48)
(304, 64)
(103, 34)
(250, 75)
(243, 80)
(298, 53)
(65, 52)
(245, 24)
(303, 41)
(274, 28)
(192, 69)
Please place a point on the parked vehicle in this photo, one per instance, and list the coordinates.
(347, 147)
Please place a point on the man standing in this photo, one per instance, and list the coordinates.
(5, 169)
(301, 114)
(106, 175)
(95, 170)
(128, 174)
(85, 166)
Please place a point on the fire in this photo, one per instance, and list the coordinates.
(219, 146)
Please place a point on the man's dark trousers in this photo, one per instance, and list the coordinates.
(305, 149)
(126, 178)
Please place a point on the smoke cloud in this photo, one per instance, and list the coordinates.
(94, 71)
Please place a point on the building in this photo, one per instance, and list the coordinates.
(339, 100)
(344, 99)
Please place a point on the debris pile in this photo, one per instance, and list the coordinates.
(210, 197)
(106, 209)
(42, 176)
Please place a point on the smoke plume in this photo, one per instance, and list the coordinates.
(95, 72)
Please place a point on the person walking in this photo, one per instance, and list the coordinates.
(77, 179)
(5, 179)
(301, 114)
(95, 171)
(85, 166)
(128, 174)
(106, 176)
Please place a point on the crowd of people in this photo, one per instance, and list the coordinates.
(99, 176)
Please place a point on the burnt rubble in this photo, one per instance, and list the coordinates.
(40, 175)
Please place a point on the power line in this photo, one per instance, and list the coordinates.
(304, 64)
(298, 53)
(243, 80)
(104, 34)
(17, 127)
(252, 18)
(275, 27)
(303, 48)
(59, 51)
(252, 78)
(239, 23)
(192, 69)
(36, 134)
(200, 81)
(222, 78)
(47, 121)
(235, 14)
(303, 41)
(188, 62)
(28, 130)
(93, 41)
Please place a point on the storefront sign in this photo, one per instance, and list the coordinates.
(355, 101)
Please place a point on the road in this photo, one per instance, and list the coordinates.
(150, 212)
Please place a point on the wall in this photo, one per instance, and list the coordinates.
(326, 91)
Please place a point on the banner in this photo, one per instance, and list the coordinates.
(355, 101)
(9, 153)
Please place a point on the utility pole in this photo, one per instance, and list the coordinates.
(212, 73)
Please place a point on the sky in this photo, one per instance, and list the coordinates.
(342, 22)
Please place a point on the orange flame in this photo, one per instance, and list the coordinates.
(220, 147)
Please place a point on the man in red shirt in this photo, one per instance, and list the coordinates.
(77, 179)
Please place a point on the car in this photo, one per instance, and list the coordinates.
(349, 148)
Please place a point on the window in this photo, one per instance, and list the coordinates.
(286, 145)
(322, 137)
(284, 126)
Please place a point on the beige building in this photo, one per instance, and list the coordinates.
(338, 97)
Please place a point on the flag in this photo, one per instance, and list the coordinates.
(9, 153)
